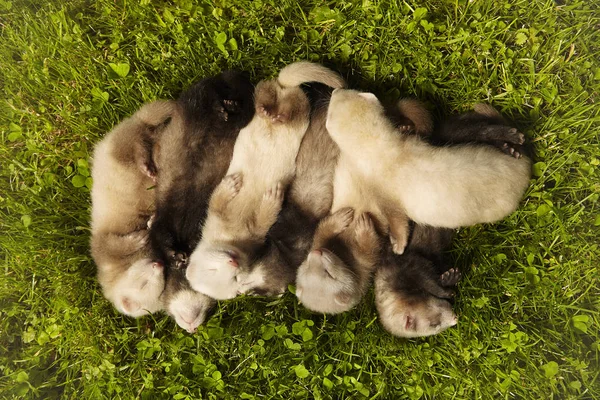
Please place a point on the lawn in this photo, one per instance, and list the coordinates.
(528, 306)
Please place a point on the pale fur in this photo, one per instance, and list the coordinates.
(447, 187)
(189, 309)
(264, 159)
(264, 156)
(404, 316)
(122, 206)
(300, 72)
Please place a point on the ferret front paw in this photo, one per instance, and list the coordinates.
(342, 219)
(364, 224)
(274, 195)
(450, 277)
(398, 243)
(149, 169)
(232, 185)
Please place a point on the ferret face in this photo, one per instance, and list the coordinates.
(189, 309)
(347, 107)
(136, 293)
(425, 318)
(214, 271)
(325, 284)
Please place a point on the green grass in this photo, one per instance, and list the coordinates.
(528, 305)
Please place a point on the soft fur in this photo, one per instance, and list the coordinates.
(350, 253)
(193, 157)
(187, 307)
(411, 290)
(337, 271)
(246, 204)
(123, 172)
(449, 187)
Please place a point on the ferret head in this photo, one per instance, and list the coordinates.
(213, 270)
(189, 309)
(137, 291)
(350, 110)
(410, 316)
(326, 284)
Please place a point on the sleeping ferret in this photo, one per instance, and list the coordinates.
(192, 158)
(411, 290)
(346, 248)
(247, 202)
(123, 172)
(407, 177)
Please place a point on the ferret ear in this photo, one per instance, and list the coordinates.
(343, 299)
(369, 96)
(130, 306)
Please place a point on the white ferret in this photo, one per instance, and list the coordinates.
(448, 187)
(122, 207)
(248, 200)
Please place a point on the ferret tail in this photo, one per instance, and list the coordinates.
(487, 111)
(301, 72)
(156, 112)
(416, 111)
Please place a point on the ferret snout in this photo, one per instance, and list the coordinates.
(158, 266)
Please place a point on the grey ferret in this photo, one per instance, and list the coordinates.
(123, 170)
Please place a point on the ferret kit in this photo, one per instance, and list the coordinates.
(241, 189)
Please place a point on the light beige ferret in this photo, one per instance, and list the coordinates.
(448, 187)
(122, 207)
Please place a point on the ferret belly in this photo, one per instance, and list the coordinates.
(266, 155)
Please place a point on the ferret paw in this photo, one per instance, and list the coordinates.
(405, 129)
(514, 136)
(274, 195)
(180, 260)
(342, 219)
(398, 243)
(450, 277)
(232, 106)
(232, 184)
(364, 224)
(149, 169)
(511, 149)
(150, 221)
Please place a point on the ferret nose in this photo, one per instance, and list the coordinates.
(318, 252)
(158, 265)
(233, 262)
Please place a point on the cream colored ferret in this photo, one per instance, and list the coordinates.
(347, 248)
(449, 187)
(122, 206)
(248, 200)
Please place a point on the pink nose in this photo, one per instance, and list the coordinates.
(157, 265)
(318, 252)
(233, 262)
